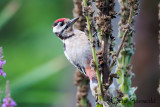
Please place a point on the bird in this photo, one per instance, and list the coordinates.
(77, 47)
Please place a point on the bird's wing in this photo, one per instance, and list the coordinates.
(81, 68)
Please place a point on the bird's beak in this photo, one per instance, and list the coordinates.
(71, 22)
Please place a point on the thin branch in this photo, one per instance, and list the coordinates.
(119, 49)
(130, 15)
(123, 39)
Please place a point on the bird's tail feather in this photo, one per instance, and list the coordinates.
(93, 80)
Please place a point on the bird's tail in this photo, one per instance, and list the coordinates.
(93, 80)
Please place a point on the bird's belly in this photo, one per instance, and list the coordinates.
(79, 54)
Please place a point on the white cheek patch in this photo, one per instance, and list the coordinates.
(55, 29)
(58, 28)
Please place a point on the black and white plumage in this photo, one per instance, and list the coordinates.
(77, 48)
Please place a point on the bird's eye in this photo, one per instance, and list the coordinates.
(62, 23)
(55, 24)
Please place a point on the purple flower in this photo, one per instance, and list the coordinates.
(8, 102)
(2, 63)
(1, 68)
(2, 73)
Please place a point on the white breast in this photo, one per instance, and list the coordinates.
(78, 49)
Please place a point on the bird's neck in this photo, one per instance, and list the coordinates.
(66, 35)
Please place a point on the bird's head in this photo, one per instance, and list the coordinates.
(62, 25)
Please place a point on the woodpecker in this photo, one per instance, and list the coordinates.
(77, 47)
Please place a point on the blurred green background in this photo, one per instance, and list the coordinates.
(39, 73)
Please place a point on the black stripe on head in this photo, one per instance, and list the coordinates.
(62, 23)
(55, 24)
(66, 27)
